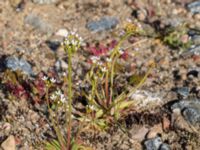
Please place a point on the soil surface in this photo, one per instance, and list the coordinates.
(166, 114)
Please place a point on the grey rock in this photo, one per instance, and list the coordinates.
(194, 50)
(194, 7)
(192, 114)
(38, 23)
(190, 110)
(153, 144)
(173, 21)
(44, 1)
(105, 23)
(164, 146)
(183, 91)
(15, 63)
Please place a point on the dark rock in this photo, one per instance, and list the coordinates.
(194, 7)
(15, 63)
(105, 23)
(36, 22)
(44, 1)
(53, 45)
(153, 144)
(193, 73)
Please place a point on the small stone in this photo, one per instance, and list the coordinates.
(9, 143)
(194, 7)
(164, 146)
(153, 144)
(105, 23)
(62, 32)
(36, 22)
(6, 127)
(44, 1)
(183, 91)
(15, 63)
(61, 65)
(192, 114)
(155, 130)
(140, 134)
(142, 14)
(165, 123)
(179, 122)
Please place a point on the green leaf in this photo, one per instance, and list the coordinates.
(124, 104)
(99, 113)
(53, 145)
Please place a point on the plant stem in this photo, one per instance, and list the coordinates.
(106, 90)
(69, 96)
(57, 130)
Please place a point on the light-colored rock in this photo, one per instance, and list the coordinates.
(9, 143)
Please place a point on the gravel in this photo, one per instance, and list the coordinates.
(105, 23)
(38, 23)
(15, 63)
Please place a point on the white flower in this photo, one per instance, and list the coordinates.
(64, 74)
(58, 93)
(95, 59)
(53, 97)
(100, 63)
(62, 98)
(104, 69)
(44, 78)
(92, 107)
(108, 59)
(53, 80)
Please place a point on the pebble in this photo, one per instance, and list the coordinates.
(194, 7)
(62, 32)
(194, 50)
(14, 63)
(44, 1)
(192, 114)
(154, 131)
(164, 147)
(105, 23)
(139, 134)
(183, 91)
(38, 23)
(9, 143)
(153, 144)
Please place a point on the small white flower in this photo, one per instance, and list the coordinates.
(100, 63)
(78, 83)
(58, 92)
(95, 59)
(108, 59)
(64, 74)
(91, 107)
(53, 97)
(62, 98)
(104, 69)
(53, 80)
(44, 78)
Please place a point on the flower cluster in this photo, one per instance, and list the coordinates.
(49, 80)
(72, 39)
(58, 96)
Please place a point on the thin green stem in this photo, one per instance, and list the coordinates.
(69, 96)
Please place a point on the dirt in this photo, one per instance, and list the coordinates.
(22, 37)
